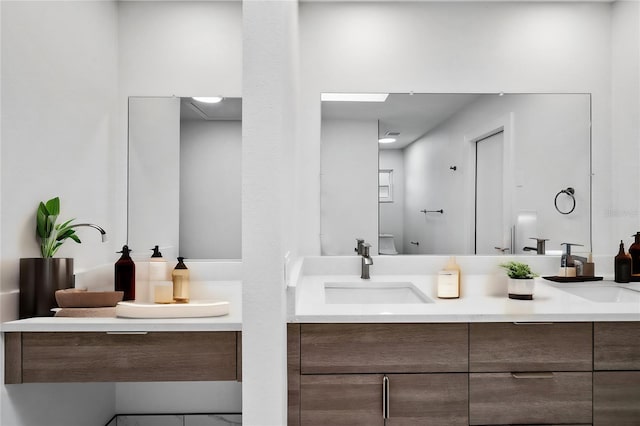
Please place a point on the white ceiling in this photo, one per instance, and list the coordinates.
(413, 115)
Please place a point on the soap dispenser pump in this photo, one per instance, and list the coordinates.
(125, 275)
(180, 278)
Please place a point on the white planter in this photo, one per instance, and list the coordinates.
(521, 288)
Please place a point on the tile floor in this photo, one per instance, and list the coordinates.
(177, 420)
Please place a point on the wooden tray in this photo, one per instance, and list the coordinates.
(75, 298)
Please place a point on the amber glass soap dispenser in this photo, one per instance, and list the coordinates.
(125, 275)
(634, 252)
(622, 266)
(180, 278)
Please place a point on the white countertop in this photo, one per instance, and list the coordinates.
(483, 299)
(230, 291)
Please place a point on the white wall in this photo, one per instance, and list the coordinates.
(210, 189)
(349, 200)
(549, 151)
(392, 214)
(624, 211)
(59, 80)
(456, 47)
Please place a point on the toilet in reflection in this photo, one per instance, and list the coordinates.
(386, 245)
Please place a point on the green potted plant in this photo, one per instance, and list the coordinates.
(40, 277)
(520, 280)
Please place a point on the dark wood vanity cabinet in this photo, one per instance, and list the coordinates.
(54, 357)
(616, 379)
(530, 373)
(378, 374)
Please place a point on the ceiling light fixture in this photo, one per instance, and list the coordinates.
(386, 140)
(353, 97)
(208, 99)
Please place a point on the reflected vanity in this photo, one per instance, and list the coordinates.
(467, 173)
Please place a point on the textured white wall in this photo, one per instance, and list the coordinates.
(268, 135)
(455, 47)
(59, 80)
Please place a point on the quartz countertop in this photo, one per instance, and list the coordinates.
(483, 299)
(230, 291)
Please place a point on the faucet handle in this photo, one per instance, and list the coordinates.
(365, 249)
(358, 249)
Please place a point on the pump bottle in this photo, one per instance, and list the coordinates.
(125, 275)
(634, 252)
(622, 266)
(180, 278)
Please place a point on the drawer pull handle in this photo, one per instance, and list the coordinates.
(385, 397)
(531, 323)
(137, 333)
(543, 375)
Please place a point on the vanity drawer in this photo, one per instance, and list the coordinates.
(616, 398)
(616, 346)
(122, 357)
(383, 348)
(500, 347)
(530, 398)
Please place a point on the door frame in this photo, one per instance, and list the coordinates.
(505, 124)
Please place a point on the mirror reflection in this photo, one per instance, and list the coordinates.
(459, 173)
(185, 176)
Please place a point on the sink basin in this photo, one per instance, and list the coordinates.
(381, 293)
(605, 294)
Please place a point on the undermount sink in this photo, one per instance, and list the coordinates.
(380, 293)
(605, 294)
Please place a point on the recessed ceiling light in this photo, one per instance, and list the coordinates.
(387, 140)
(354, 97)
(208, 99)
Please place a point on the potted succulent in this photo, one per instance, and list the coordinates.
(40, 277)
(521, 280)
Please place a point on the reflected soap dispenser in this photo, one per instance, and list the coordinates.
(125, 275)
(180, 278)
(634, 252)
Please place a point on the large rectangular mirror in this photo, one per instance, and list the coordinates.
(185, 176)
(461, 174)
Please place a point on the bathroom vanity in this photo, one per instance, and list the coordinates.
(571, 356)
(464, 373)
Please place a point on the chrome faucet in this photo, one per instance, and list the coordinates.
(366, 261)
(103, 233)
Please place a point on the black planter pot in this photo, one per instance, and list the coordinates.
(39, 280)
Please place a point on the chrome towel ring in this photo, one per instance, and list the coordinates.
(570, 192)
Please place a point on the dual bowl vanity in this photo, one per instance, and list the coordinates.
(384, 350)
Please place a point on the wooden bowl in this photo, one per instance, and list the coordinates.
(76, 298)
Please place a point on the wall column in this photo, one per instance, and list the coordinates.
(268, 127)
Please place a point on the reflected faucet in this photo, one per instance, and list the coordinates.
(366, 261)
(103, 233)
(540, 246)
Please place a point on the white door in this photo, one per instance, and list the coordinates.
(489, 195)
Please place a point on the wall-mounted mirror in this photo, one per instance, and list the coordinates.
(461, 174)
(185, 176)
